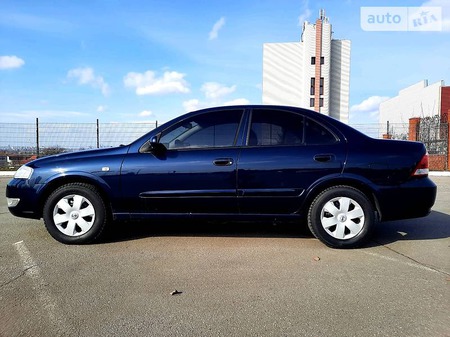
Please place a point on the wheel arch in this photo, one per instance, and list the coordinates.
(360, 183)
(55, 182)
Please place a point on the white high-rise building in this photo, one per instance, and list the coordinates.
(313, 73)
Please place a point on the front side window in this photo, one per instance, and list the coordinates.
(275, 127)
(213, 129)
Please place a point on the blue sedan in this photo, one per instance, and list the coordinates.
(241, 163)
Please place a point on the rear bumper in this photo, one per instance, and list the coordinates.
(413, 199)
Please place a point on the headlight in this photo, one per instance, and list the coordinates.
(24, 172)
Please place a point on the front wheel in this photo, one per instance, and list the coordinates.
(75, 213)
(341, 217)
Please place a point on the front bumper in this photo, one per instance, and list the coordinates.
(23, 198)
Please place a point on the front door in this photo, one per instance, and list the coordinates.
(195, 174)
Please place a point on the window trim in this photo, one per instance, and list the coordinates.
(336, 135)
(190, 117)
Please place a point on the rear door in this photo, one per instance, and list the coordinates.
(285, 153)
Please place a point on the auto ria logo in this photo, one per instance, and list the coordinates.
(401, 19)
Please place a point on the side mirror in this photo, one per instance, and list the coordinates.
(157, 148)
(154, 147)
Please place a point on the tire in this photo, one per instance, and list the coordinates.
(75, 213)
(341, 217)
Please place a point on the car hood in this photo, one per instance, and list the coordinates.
(78, 155)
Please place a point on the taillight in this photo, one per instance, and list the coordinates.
(422, 168)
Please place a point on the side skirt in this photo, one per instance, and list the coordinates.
(212, 216)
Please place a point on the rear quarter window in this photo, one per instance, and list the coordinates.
(317, 134)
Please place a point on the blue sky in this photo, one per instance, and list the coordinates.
(139, 61)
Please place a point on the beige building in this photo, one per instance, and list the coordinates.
(418, 100)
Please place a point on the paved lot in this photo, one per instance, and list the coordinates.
(235, 279)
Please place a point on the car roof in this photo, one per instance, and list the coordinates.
(342, 128)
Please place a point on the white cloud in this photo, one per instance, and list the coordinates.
(145, 113)
(86, 76)
(238, 101)
(11, 62)
(369, 104)
(368, 110)
(102, 108)
(193, 104)
(214, 90)
(214, 93)
(445, 8)
(214, 33)
(306, 13)
(149, 84)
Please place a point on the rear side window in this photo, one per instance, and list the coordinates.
(317, 134)
(213, 129)
(275, 127)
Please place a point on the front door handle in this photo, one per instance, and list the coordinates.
(323, 158)
(223, 162)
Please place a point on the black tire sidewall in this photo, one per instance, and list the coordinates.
(90, 193)
(314, 221)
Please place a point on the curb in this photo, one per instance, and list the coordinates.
(439, 174)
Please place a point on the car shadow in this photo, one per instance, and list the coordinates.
(434, 226)
(133, 230)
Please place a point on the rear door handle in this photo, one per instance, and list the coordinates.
(223, 162)
(323, 158)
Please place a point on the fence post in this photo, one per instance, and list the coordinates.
(448, 139)
(414, 128)
(98, 135)
(387, 135)
(37, 137)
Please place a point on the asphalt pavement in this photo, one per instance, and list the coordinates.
(232, 279)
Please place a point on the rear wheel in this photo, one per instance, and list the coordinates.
(341, 217)
(75, 213)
